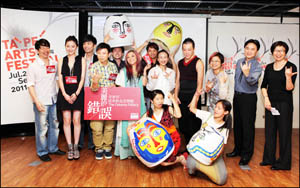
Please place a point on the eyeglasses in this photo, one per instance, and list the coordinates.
(279, 51)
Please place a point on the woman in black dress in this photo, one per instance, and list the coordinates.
(71, 74)
(277, 89)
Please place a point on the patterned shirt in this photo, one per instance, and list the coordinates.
(105, 71)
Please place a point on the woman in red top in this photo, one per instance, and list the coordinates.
(163, 114)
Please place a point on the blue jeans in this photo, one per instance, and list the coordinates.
(46, 124)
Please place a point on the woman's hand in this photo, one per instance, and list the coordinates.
(209, 85)
(289, 72)
(68, 98)
(73, 97)
(267, 103)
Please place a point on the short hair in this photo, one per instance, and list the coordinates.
(122, 48)
(90, 38)
(103, 45)
(256, 42)
(189, 40)
(279, 43)
(71, 38)
(152, 45)
(41, 42)
(217, 54)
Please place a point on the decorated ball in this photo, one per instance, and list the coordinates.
(150, 142)
(206, 145)
(120, 30)
(168, 36)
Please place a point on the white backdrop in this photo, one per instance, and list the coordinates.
(228, 34)
(19, 31)
(193, 26)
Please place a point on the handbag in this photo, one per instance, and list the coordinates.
(206, 145)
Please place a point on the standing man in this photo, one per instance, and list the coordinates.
(117, 57)
(42, 80)
(89, 44)
(101, 75)
(247, 73)
(190, 81)
(148, 61)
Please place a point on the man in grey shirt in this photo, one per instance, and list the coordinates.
(247, 73)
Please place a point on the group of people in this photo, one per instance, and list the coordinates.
(169, 90)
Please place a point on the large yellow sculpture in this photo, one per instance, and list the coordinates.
(168, 36)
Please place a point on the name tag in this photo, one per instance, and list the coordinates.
(112, 77)
(71, 79)
(147, 59)
(50, 69)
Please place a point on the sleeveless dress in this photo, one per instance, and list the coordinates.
(62, 104)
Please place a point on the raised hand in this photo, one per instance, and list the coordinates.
(246, 68)
(107, 38)
(155, 75)
(222, 78)
(289, 72)
(209, 85)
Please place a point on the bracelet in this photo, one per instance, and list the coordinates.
(76, 94)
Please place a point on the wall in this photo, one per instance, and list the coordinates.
(228, 34)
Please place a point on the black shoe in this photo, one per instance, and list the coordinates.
(232, 154)
(59, 152)
(279, 168)
(244, 161)
(263, 163)
(92, 148)
(45, 158)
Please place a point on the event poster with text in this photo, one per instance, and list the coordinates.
(115, 103)
(20, 30)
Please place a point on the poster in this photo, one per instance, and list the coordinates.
(116, 103)
(19, 31)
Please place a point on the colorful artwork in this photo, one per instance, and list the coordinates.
(120, 30)
(150, 141)
(206, 145)
(168, 36)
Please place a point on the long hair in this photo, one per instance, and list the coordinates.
(169, 65)
(138, 65)
(227, 118)
(152, 96)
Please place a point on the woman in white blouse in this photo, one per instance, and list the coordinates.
(162, 76)
(217, 85)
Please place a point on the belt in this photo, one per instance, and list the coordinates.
(241, 93)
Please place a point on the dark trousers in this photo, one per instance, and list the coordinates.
(283, 123)
(86, 123)
(189, 124)
(244, 114)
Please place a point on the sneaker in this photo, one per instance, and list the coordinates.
(99, 154)
(107, 155)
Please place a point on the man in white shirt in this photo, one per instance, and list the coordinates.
(41, 76)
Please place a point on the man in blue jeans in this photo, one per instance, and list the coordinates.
(41, 76)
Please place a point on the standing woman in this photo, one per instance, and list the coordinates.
(277, 90)
(71, 74)
(216, 81)
(161, 76)
(130, 76)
